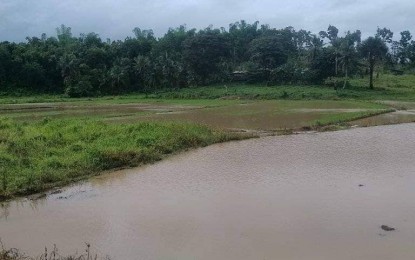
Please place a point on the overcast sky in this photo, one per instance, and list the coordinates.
(115, 19)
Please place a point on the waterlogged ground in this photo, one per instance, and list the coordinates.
(307, 196)
(398, 117)
(229, 114)
(405, 113)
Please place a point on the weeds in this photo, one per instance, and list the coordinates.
(15, 254)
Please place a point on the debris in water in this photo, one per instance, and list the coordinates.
(361, 185)
(56, 192)
(387, 228)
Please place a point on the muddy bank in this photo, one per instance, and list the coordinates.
(309, 196)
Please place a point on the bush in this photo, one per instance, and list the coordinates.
(336, 82)
(82, 88)
(292, 74)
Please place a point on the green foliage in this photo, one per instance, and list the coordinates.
(290, 73)
(202, 54)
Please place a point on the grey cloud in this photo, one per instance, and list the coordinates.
(116, 18)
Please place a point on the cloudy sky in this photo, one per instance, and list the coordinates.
(115, 19)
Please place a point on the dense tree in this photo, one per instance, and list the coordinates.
(268, 52)
(241, 34)
(203, 52)
(87, 65)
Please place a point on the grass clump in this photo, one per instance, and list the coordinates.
(40, 155)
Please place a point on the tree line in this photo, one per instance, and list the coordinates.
(88, 65)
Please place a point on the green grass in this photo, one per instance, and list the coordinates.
(335, 119)
(37, 156)
(387, 87)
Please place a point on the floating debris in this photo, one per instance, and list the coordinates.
(387, 228)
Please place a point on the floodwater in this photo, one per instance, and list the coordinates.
(308, 196)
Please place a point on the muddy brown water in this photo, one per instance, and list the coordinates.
(286, 197)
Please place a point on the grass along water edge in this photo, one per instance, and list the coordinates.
(41, 155)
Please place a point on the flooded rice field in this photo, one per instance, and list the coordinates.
(307, 196)
(256, 115)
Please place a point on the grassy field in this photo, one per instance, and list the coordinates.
(37, 156)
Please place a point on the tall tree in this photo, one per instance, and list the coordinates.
(373, 49)
(385, 34)
(348, 52)
(404, 45)
(332, 34)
